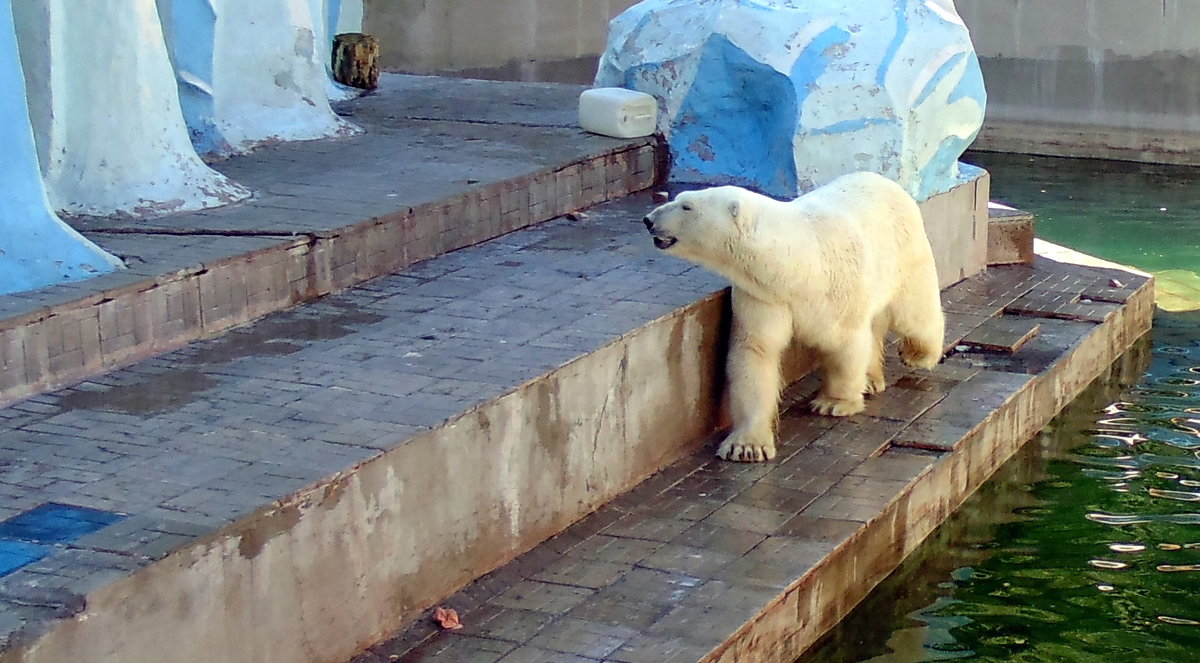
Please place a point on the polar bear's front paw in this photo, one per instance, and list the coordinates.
(748, 447)
(837, 407)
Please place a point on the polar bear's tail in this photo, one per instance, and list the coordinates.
(918, 320)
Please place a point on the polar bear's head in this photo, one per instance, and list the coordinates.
(700, 225)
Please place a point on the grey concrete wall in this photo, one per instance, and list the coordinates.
(1105, 78)
(514, 39)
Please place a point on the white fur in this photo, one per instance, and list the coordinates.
(833, 270)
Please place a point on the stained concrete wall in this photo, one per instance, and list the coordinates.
(516, 39)
(1105, 78)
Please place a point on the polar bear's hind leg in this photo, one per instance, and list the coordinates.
(918, 320)
(844, 376)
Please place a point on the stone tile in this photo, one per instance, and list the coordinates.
(453, 648)
(660, 649)
(616, 609)
(541, 596)
(582, 572)
(769, 496)
(582, 637)
(749, 518)
(529, 654)
(908, 398)
(615, 549)
(1002, 334)
(652, 587)
(719, 539)
(500, 623)
(816, 528)
(688, 560)
(651, 528)
(776, 562)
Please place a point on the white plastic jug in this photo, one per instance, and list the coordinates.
(617, 112)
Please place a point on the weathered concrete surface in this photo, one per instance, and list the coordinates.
(712, 561)
(1113, 79)
(1009, 235)
(957, 224)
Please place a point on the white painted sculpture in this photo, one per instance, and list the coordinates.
(105, 111)
(785, 95)
(252, 72)
(36, 248)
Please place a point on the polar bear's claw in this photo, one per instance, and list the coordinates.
(745, 448)
(836, 407)
(875, 385)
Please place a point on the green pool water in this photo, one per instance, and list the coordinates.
(1143, 215)
(1085, 547)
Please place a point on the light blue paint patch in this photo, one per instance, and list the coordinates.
(849, 126)
(971, 85)
(736, 123)
(938, 77)
(56, 523)
(814, 60)
(968, 172)
(889, 55)
(193, 25)
(36, 248)
(333, 12)
(15, 554)
(935, 177)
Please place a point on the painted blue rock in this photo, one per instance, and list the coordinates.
(36, 248)
(785, 95)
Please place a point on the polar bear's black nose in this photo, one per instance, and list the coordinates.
(649, 223)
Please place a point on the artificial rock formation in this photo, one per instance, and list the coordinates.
(785, 95)
(105, 111)
(36, 248)
(252, 72)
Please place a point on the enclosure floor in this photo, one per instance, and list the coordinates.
(716, 561)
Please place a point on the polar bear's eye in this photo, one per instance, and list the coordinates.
(687, 207)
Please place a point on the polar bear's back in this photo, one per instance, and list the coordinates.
(866, 234)
(865, 200)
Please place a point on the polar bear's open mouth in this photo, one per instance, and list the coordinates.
(665, 242)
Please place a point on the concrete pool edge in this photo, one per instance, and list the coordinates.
(891, 536)
(714, 561)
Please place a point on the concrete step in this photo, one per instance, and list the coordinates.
(1009, 235)
(442, 164)
(298, 487)
(713, 561)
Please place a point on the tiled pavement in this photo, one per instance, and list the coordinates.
(680, 568)
(189, 441)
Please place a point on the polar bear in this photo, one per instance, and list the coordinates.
(834, 270)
